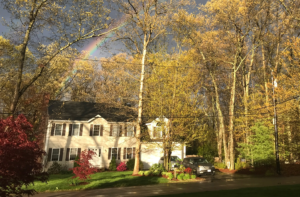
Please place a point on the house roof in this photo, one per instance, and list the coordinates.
(84, 111)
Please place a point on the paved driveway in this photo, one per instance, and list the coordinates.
(219, 182)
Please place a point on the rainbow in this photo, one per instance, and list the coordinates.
(93, 46)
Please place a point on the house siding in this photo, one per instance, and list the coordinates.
(150, 152)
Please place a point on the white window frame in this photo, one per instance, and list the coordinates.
(131, 153)
(73, 129)
(118, 130)
(75, 155)
(111, 153)
(60, 130)
(58, 154)
(94, 129)
(132, 127)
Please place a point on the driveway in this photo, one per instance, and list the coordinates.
(219, 182)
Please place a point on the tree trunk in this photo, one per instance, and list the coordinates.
(265, 77)
(221, 119)
(140, 112)
(218, 133)
(231, 119)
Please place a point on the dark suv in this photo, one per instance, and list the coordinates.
(199, 165)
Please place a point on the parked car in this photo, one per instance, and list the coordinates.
(173, 161)
(199, 165)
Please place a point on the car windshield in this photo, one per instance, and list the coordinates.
(200, 160)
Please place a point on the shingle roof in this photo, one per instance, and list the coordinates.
(71, 110)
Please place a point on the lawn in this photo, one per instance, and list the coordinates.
(59, 182)
(274, 191)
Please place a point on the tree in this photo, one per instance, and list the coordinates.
(84, 168)
(146, 21)
(20, 158)
(67, 22)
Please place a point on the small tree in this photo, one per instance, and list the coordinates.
(19, 158)
(85, 168)
(113, 164)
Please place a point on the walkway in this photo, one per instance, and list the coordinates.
(217, 183)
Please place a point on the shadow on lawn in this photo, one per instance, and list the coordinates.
(129, 181)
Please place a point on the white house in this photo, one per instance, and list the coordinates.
(107, 130)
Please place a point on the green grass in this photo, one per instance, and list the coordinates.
(98, 180)
(274, 191)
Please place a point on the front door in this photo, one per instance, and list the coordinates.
(96, 161)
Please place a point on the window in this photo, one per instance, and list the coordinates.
(73, 153)
(96, 130)
(75, 129)
(114, 153)
(58, 129)
(115, 131)
(157, 132)
(96, 151)
(129, 153)
(130, 130)
(55, 154)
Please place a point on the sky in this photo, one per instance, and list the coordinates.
(100, 52)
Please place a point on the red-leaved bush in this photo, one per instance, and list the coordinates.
(122, 166)
(188, 170)
(85, 169)
(19, 157)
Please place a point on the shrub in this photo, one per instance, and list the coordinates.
(238, 166)
(85, 169)
(64, 169)
(122, 166)
(181, 168)
(220, 165)
(20, 157)
(156, 173)
(130, 164)
(180, 178)
(170, 176)
(147, 173)
(113, 164)
(188, 170)
(157, 168)
(193, 176)
(245, 165)
(141, 173)
(164, 173)
(187, 176)
(55, 168)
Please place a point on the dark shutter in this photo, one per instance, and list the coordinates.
(125, 134)
(91, 130)
(134, 130)
(154, 132)
(120, 134)
(70, 129)
(52, 129)
(64, 129)
(124, 153)
(109, 153)
(49, 154)
(79, 152)
(61, 154)
(119, 153)
(101, 131)
(133, 150)
(68, 154)
(81, 129)
(110, 132)
(99, 152)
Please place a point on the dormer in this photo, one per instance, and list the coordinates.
(157, 127)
